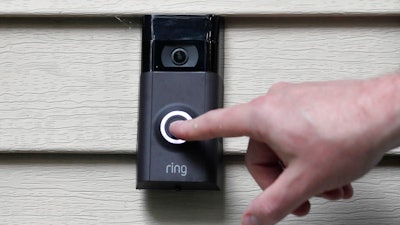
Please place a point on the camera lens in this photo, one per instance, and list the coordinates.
(179, 56)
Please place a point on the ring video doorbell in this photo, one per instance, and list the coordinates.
(181, 79)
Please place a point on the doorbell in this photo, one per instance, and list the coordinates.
(181, 78)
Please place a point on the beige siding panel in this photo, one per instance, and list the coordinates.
(90, 189)
(224, 7)
(71, 85)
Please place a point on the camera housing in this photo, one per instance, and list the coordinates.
(181, 78)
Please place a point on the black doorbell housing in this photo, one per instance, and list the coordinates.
(181, 78)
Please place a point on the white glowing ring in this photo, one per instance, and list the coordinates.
(164, 122)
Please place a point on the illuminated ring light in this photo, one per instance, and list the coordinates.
(164, 123)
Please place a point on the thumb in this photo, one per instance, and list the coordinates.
(291, 189)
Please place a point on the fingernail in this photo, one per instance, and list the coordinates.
(251, 220)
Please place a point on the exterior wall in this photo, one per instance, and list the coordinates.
(69, 76)
(99, 189)
(223, 7)
(71, 84)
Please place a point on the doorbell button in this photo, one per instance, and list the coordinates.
(167, 120)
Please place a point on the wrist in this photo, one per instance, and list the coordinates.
(383, 103)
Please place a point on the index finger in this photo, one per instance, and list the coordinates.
(227, 122)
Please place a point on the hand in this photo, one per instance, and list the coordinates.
(305, 139)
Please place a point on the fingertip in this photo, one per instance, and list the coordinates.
(249, 219)
(348, 191)
(177, 128)
(174, 126)
(302, 210)
(345, 192)
(333, 195)
(288, 194)
(263, 211)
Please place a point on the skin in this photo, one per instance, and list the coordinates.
(308, 139)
